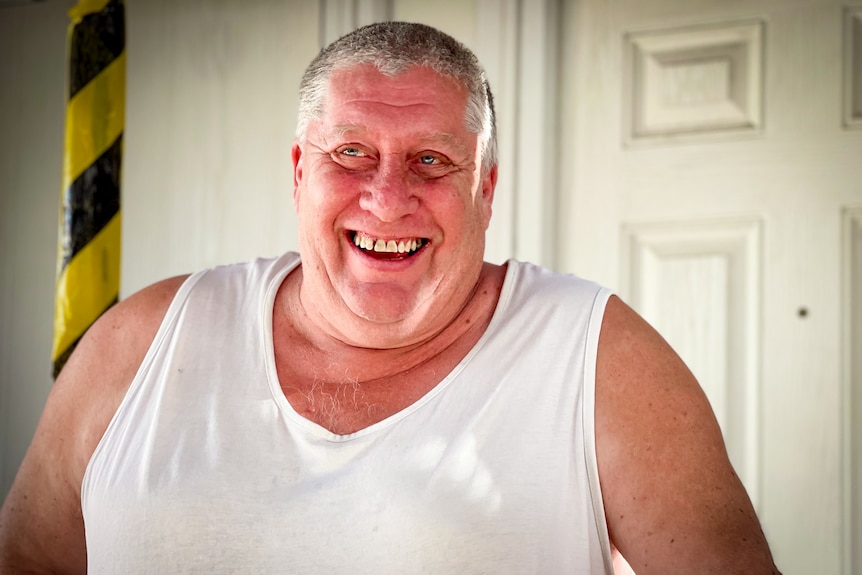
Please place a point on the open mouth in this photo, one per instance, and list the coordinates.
(388, 248)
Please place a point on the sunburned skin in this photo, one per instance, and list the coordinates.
(390, 160)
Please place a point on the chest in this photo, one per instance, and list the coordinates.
(443, 491)
(346, 387)
(345, 397)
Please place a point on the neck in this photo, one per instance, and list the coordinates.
(345, 387)
(351, 363)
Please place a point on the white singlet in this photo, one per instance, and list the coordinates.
(206, 468)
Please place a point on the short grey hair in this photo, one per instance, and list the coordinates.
(395, 47)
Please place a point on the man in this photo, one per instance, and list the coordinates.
(391, 403)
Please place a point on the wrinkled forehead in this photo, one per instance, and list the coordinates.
(360, 80)
(420, 96)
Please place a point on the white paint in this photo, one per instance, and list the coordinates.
(853, 66)
(211, 106)
(338, 17)
(519, 43)
(497, 48)
(795, 176)
(458, 19)
(32, 116)
(852, 330)
(693, 80)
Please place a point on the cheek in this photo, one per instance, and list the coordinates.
(337, 189)
(486, 215)
(317, 197)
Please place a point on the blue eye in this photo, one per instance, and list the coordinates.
(350, 151)
(428, 159)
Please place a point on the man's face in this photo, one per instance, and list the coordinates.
(393, 207)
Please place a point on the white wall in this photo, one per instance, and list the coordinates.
(32, 107)
(456, 18)
(212, 97)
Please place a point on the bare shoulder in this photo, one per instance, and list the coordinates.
(672, 499)
(41, 526)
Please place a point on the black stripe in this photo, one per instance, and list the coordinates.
(64, 357)
(96, 42)
(91, 201)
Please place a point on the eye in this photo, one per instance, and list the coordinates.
(431, 164)
(353, 156)
(351, 151)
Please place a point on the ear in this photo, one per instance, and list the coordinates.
(489, 183)
(296, 159)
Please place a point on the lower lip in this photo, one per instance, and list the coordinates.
(387, 264)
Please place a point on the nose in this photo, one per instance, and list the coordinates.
(388, 193)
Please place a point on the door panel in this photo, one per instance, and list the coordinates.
(714, 163)
(853, 387)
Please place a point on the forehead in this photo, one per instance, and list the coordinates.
(362, 98)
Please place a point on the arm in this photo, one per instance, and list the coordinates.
(41, 525)
(672, 500)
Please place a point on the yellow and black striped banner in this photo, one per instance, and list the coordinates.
(88, 266)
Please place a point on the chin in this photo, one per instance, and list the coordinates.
(384, 312)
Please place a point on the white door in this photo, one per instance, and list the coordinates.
(711, 171)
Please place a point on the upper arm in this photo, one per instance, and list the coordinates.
(41, 523)
(672, 500)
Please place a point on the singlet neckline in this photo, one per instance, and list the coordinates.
(287, 410)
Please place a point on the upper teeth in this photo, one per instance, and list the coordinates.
(391, 246)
